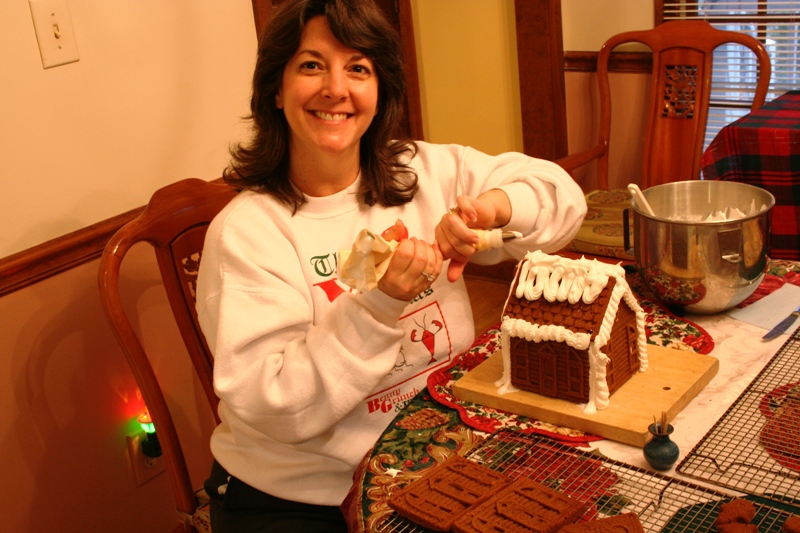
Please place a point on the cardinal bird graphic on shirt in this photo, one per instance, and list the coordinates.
(426, 346)
(426, 334)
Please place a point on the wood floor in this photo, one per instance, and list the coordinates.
(487, 299)
(488, 288)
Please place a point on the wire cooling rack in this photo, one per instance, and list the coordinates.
(663, 504)
(755, 445)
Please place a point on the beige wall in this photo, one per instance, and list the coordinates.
(588, 23)
(157, 96)
(629, 100)
(68, 400)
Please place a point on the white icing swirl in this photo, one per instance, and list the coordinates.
(504, 383)
(548, 332)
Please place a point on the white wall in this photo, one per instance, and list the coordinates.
(157, 96)
(588, 23)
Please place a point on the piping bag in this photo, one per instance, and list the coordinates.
(362, 267)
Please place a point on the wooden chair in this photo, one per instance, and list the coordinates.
(676, 120)
(174, 223)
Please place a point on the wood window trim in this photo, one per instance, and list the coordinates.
(541, 57)
(540, 54)
(262, 12)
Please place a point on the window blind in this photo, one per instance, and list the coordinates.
(776, 23)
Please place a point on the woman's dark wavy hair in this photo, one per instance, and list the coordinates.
(262, 164)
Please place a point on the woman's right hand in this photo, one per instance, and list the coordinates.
(414, 266)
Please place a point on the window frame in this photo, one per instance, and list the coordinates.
(721, 111)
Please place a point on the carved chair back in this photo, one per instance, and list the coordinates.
(678, 108)
(174, 222)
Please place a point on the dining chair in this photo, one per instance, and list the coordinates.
(174, 223)
(677, 114)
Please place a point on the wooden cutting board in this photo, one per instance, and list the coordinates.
(672, 379)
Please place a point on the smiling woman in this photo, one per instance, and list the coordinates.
(85, 244)
(399, 14)
(303, 363)
(329, 97)
(39, 248)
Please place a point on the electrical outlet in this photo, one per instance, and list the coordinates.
(53, 26)
(144, 468)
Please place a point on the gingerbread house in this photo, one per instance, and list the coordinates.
(571, 329)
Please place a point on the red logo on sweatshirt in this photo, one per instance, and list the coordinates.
(332, 289)
(393, 400)
(427, 335)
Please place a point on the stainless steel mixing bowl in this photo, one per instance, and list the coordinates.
(699, 266)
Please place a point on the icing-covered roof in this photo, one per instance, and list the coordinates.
(580, 318)
(567, 300)
(571, 301)
(561, 279)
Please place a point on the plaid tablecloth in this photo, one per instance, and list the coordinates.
(763, 149)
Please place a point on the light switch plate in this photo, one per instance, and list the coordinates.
(54, 32)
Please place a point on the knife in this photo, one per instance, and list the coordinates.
(783, 325)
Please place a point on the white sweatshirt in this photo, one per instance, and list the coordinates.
(309, 374)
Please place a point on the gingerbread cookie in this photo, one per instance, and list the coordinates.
(445, 492)
(621, 523)
(522, 506)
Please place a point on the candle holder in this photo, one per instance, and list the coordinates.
(660, 451)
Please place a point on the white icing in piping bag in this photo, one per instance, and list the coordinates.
(494, 238)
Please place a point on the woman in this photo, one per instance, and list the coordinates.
(309, 373)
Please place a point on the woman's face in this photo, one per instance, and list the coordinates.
(329, 94)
